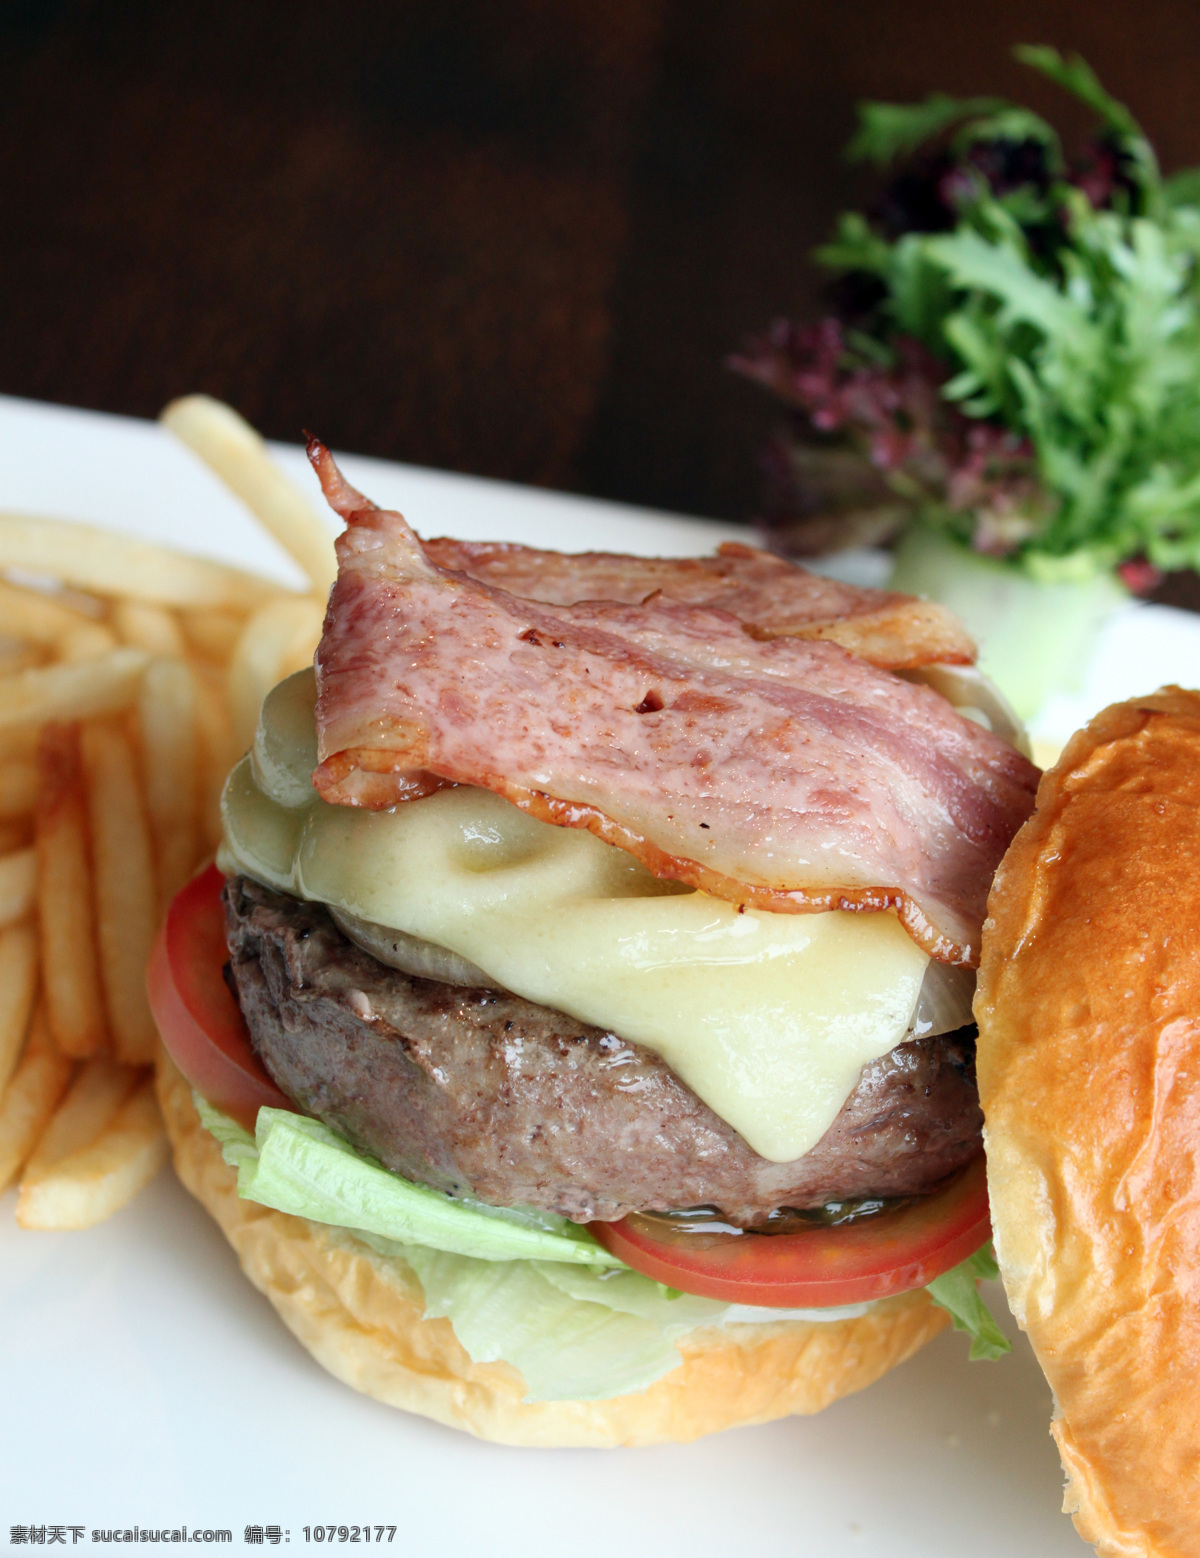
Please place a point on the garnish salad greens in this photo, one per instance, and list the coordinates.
(1014, 352)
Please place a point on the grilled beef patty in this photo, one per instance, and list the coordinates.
(480, 1092)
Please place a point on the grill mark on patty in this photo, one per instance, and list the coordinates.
(479, 1091)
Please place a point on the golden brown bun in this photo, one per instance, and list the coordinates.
(1089, 1076)
(361, 1318)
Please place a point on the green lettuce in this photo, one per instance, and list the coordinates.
(1016, 354)
(296, 1164)
(957, 1292)
(520, 1285)
(575, 1333)
(566, 1349)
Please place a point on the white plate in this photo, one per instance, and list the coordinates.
(144, 1383)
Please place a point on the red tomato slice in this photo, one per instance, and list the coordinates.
(200, 1022)
(849, 1264)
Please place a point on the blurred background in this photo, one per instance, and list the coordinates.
(509, 237)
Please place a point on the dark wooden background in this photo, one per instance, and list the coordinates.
(514, 237)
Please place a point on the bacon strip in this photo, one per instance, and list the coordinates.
(771, 598)
(787, 774)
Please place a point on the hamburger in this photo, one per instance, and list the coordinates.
(601, 932)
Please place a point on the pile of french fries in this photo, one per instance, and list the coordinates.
(131, 677)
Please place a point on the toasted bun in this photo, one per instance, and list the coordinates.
(1089, 1076)
(361, 1318)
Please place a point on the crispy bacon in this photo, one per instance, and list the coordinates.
(785, 773)
(771, 598)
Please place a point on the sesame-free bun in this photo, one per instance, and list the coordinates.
(361, 1318)
(1089, 1075)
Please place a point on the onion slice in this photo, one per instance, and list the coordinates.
(944, 1003)
(977, 697)
(411, 955)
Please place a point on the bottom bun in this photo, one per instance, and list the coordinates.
(1089, 1076)
(361, 1318)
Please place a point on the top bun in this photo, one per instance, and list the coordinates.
(1089, 1076)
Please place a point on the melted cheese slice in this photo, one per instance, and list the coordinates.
(769, 1018)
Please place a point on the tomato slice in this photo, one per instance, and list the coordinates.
(200, 1022)
(851, 1263)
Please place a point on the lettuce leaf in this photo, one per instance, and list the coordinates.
(520, 1285)
(956, 1292)
(567, 1349)
(297, 1165)
(630, 1293)
(574, 1333)
(887, 131)
(676, 1311)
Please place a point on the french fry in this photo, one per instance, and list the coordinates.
(111, 564)
(72, 691)
(219, 749)
(82, 1188)
(18, 787)
(66, 909)
(126, 914)
(99, 1089)
(148, 627)
(213, 634)
(31, 1097)
(15, 833)
(131, 677)
(15, 656)
(18, 984)
(34, 615)
(279, 638)
(18, 885)
(89, 641)
(299, 651)
(231, 448)
(17, 741)
(167, 714)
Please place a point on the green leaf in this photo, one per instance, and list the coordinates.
(1076, 76)
(887, 131)
(957, 1293)
(297, 1165)
(984, 379)
(632, 1294)
(920, 292)
(974, 263)
(855, 247)
(567, 1349)
(226, 1130)
(1012, 123)
(1182, 188)
(236, 1142)
(1076, 328)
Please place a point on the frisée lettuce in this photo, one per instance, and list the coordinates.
(1014, 356)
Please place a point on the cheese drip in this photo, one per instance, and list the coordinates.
(769, 1018)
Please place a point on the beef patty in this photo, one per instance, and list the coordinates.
(480, 1092)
